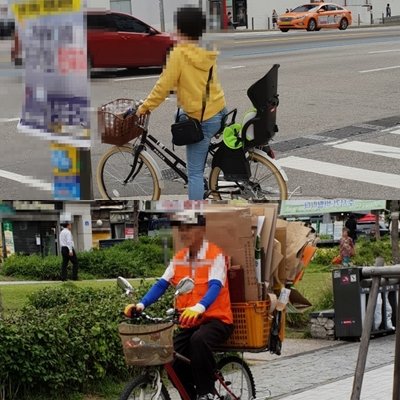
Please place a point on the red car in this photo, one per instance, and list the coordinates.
(117, 40)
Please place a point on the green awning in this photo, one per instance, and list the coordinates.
(318, 207)
(6, 210)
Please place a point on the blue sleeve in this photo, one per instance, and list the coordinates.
(214, 287)
(155, 292)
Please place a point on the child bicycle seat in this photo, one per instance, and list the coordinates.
(260, 128)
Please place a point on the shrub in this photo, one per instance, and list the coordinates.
(64, 339)
(132, 259)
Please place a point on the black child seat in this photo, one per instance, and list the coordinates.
(258, 128)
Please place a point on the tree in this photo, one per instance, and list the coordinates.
(394, 231)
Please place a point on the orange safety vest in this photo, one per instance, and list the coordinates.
(199, 272)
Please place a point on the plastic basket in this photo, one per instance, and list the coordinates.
(115, 129)
(145, 345)
(252, 324)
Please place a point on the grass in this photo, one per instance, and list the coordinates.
(15, 296)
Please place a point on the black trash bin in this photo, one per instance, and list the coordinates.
(350, 294)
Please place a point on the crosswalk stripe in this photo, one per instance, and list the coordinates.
(340, 171)
(396, 131)
(27, 180)
(370, 148)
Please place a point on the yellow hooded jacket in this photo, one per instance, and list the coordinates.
(187, 72)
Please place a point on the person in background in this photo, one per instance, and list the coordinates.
(230, 19)
(207, 319)
(187, 71)
(274, 18)
(388, 11)
(68, 252)
(346, 247)
(351, 225)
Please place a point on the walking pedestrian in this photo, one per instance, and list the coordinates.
(388, 11)
(189, 70)
(68, 252)
(351, 225)
(274, 18)
(346, 247)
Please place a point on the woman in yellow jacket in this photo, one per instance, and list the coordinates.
(186, 72)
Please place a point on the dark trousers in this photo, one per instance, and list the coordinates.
(196, 344)
(66, 258)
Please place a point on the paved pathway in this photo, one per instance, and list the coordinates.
(327, 374)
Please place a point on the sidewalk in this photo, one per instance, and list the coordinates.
(327, 373)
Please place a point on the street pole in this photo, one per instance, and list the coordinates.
(201, 4)
(162, 17)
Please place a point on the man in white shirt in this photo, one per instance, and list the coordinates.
(68, 252)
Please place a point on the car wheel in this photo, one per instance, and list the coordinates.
(317, 29)
(284, 29)
(343, 24)
(312, 25)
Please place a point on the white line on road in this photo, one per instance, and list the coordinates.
(238, 66)
(27, 180)
(336, 142)
(379, 69)
(383, 51)
(9, 120)
(341, 171)
(133, 78)
(396, 132)
(370, 148)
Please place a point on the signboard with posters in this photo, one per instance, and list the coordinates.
(56, 106)
(8, 238)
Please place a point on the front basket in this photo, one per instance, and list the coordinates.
(146, 345)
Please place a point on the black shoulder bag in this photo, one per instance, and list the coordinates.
(188, 130)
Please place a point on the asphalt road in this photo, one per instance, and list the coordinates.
(333, 85)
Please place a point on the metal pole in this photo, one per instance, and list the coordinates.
(366, 333)
(162, 17)
(269, 24)
(396, 376)
(252, 23)
(359, 20)
(383, 18)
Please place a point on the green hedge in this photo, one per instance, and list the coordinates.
(64, 340)
(132, 259)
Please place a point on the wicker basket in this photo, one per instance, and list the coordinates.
(145, 345)
(252, 326)
(113, 127)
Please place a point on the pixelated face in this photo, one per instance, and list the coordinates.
(191, 234)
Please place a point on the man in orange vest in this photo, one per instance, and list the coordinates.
(206, 320)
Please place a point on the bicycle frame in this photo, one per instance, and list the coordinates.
(173, 377)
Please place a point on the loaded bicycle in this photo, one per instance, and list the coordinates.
(247, 169)
(147, 343)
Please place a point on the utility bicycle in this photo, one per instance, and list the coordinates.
(233, 377)
(130, 171)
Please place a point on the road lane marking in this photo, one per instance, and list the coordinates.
(336, 142)
(383, 51)
(27, 180)
(238, 66)
(396, 132)
(379, 69)
(370, 148)
(2, 120)
(134, 78)
(340, 171)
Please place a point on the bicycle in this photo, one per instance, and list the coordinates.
(233, 376)
(130, 171)
(152, 349)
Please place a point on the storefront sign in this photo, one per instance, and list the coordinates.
(8, 238)
(56, 106)
(318, 207)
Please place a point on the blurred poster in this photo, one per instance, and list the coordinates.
(240, 15)
(56, 106)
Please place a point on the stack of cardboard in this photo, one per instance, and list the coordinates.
(266, 254)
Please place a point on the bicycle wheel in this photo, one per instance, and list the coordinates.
(143, 387)
(115, 166)
(266, 182)
(238, 379)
